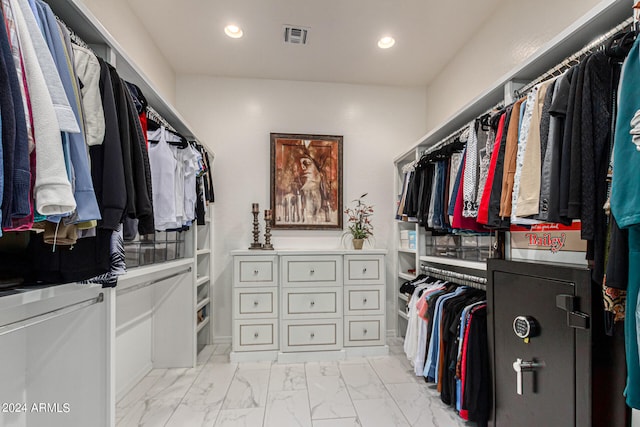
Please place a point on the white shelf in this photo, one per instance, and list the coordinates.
(408, 251)
(202, 304)
(476, 265)
(203, 252)
(406, 276)
(400, 221)
(202, 324)
(403, 314)
(403, 297)
(201, 281)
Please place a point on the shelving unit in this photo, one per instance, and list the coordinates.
(204, 323)
(406, 261)
(153, 321)
(202, 279)
(406, 276)
(454, 262)
(601, 18)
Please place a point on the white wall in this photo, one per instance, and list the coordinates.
(514, 32)
(118, 18)
(235, 116)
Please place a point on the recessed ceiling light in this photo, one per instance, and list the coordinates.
(233, 31)
(386, 42)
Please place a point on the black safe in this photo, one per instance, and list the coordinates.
(552, 364)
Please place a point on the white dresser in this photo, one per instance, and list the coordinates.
(294, 305)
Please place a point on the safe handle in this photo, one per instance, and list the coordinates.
(521, 366)
(575, 318)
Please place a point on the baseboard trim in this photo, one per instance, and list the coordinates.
(222, 340)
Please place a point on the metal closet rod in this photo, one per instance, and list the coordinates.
(124, 291)
(75, 38)
(449, 139)
(460, 278)
(49, 315)
(154, 115)
(577, 56)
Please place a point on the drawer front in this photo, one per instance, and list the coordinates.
(363, 301)
(311, 335)
(300, 303)
(255, 302)
(255, 335)
(361, 331)
(253, 271)
(364, 269)
(321, 270)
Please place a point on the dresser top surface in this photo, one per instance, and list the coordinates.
(310, 252)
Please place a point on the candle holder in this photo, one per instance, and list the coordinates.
(255, 210)
(267, 230)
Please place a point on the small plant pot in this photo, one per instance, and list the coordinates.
(357, 243)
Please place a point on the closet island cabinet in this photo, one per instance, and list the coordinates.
(308, 305)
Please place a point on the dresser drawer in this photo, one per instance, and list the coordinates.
(311, 335)
(255, 302)
(320, 270)
(255, 270)
(364, 269)
(255, 335)
(359, 300)
(299, 303)
(363, 331)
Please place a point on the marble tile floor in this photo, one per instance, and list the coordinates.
(363, 392)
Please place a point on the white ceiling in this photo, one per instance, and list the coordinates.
(342, 42)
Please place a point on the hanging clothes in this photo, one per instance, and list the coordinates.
(52, 193)
(625, 207)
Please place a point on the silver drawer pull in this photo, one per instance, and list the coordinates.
(313, 303)
(364, 270)
(312, 335)
(364, 332)
(255, 272)
(364, 300)
(255, 303)
(255, 335)
(312, 271)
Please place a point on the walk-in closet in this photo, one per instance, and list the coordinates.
(362, 214)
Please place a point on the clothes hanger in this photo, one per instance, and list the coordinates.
(618, 47)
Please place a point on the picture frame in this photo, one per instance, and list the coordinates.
(306, 181)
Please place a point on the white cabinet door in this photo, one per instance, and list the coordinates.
(255, 271)
(311, 335)
(311, 270)
(255, 302)
(363, 331)
(301, 303)
(364, 269)
(253, 335)
(360, 300)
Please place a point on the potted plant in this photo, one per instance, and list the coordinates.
(359, 218)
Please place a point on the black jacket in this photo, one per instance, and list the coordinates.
(138, 192)
(106, 160)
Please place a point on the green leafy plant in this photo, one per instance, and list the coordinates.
(359, 218)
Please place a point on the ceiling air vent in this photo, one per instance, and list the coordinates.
(295, 34)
